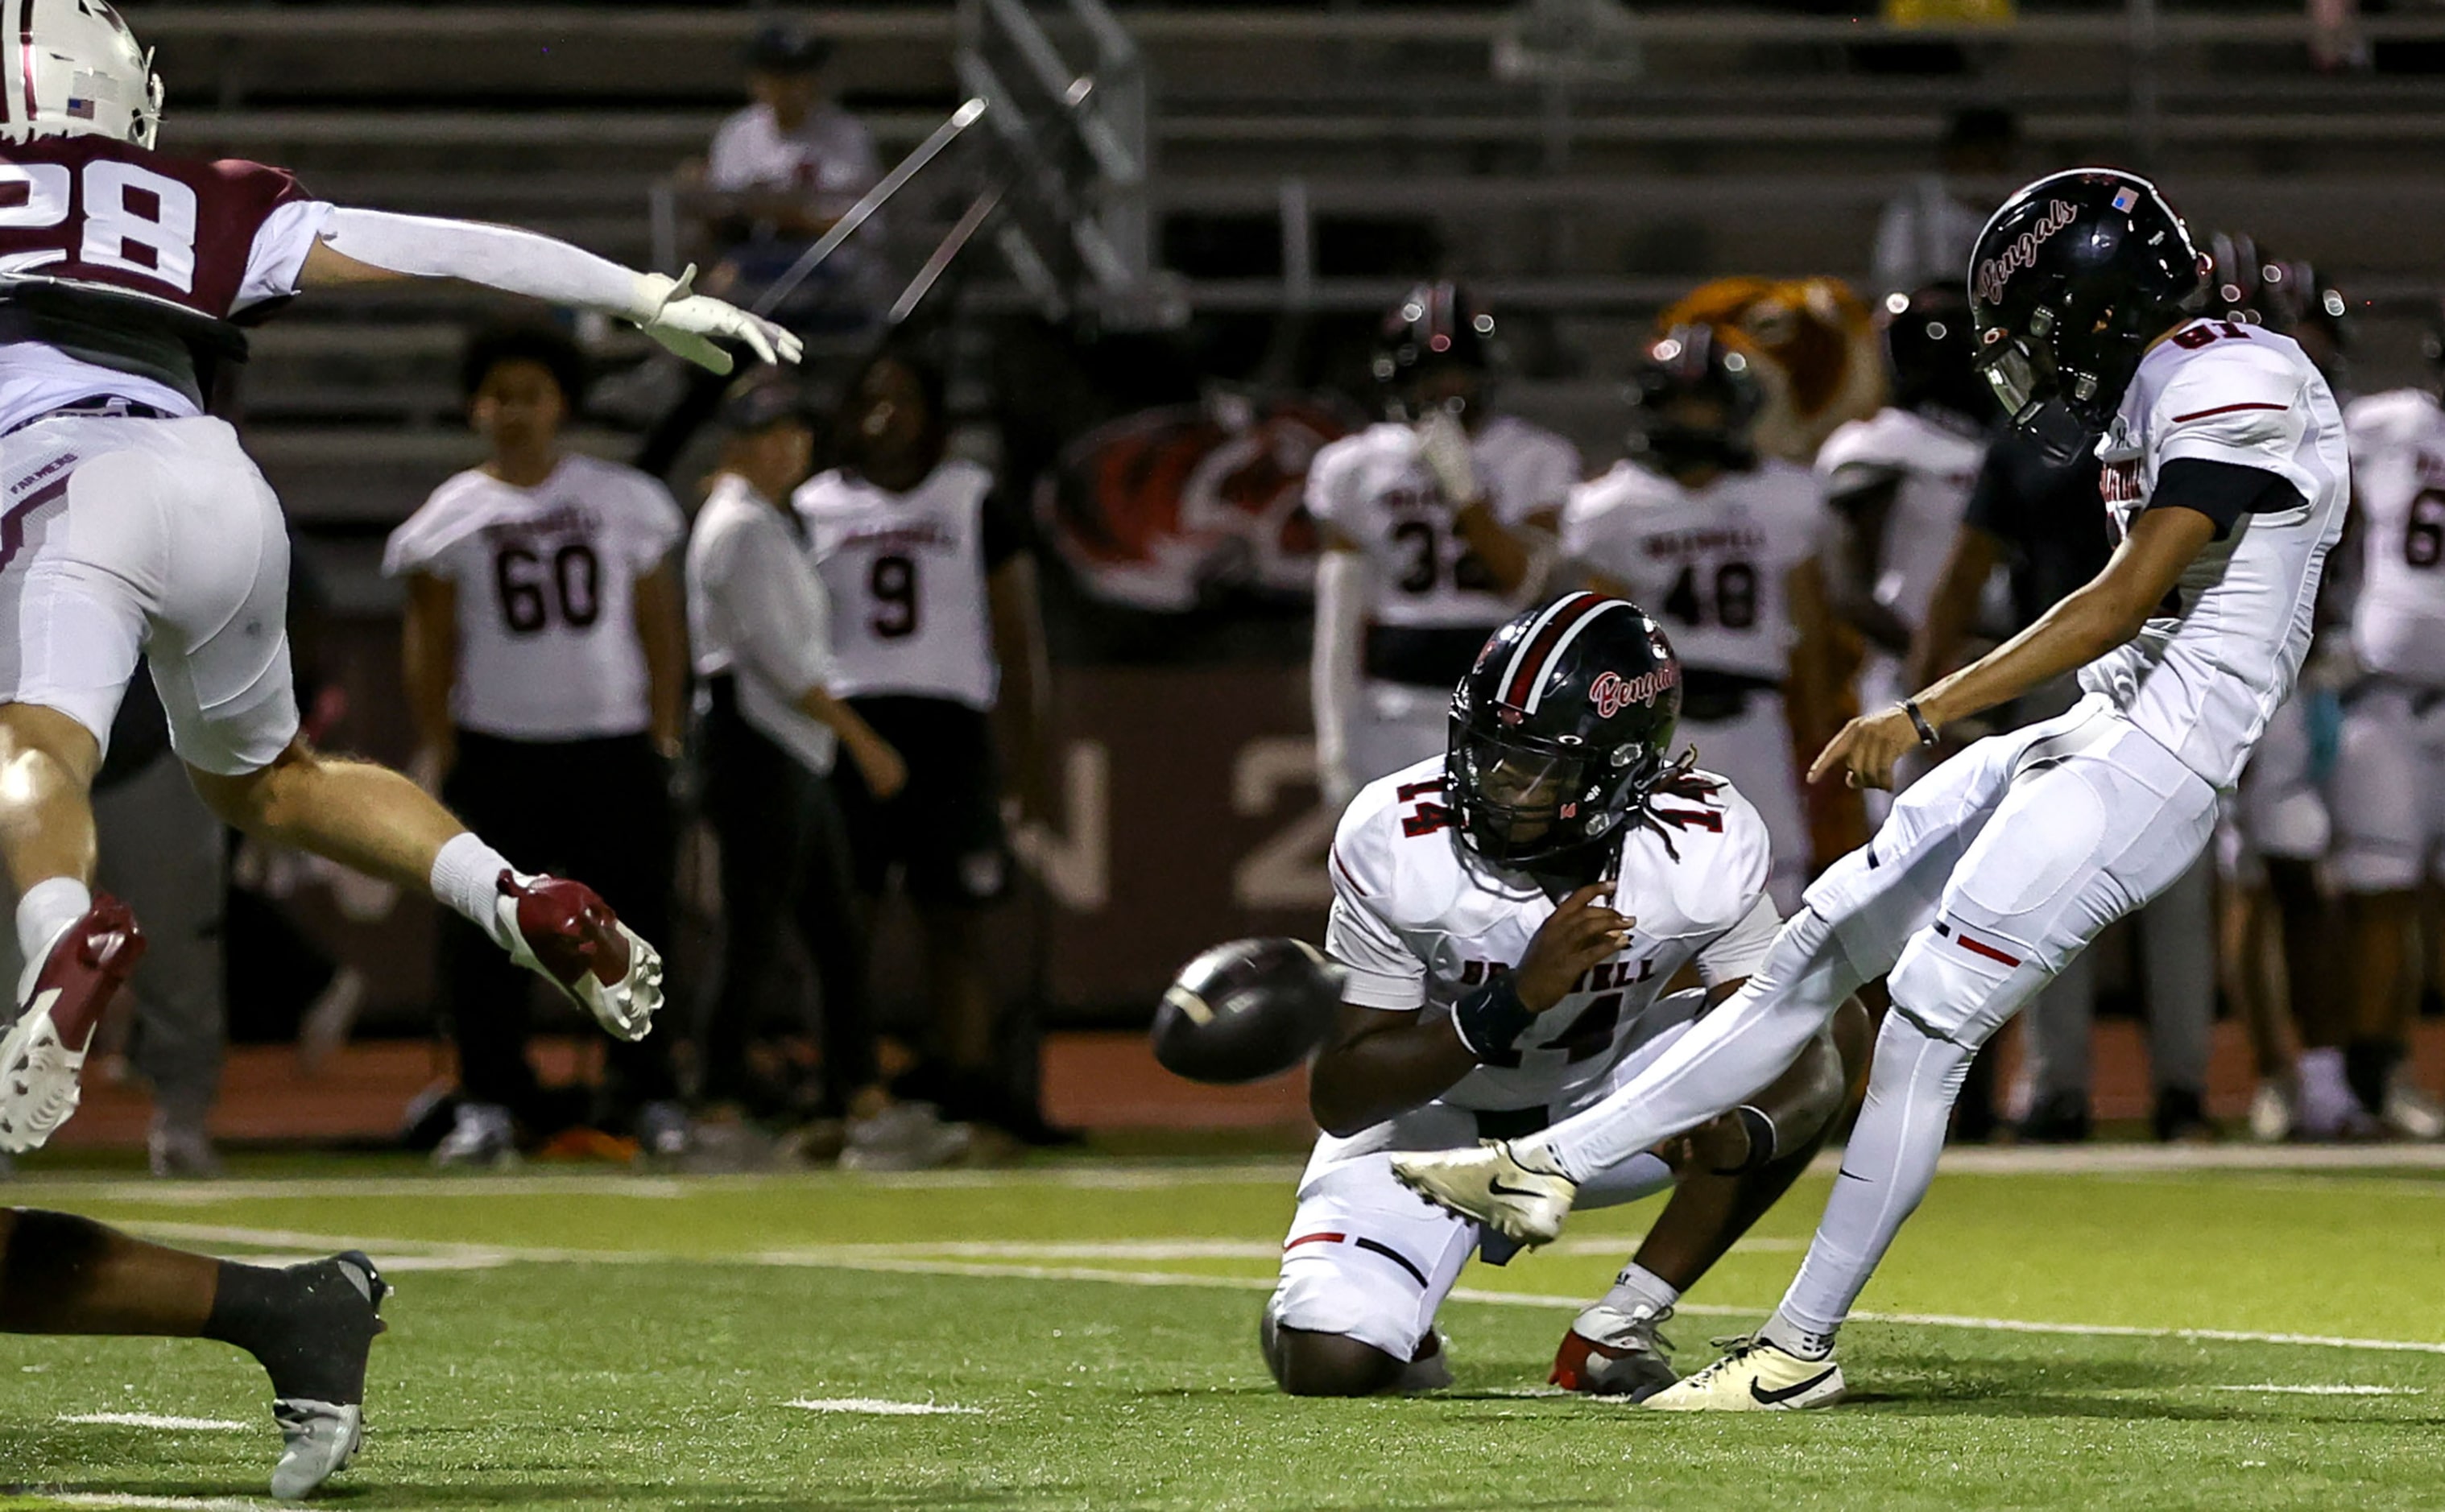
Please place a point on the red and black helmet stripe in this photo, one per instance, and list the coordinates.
(1541, 650)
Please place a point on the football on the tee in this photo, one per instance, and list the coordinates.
(1247, 1010)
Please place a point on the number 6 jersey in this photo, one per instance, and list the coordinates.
(545, 579)
(906, 573)
(2398, 442)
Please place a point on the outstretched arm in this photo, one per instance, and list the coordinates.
(372, 246)
(2102, 614)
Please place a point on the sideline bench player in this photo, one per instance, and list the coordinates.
(2226, 475)
(133, 524)
(1515, 919)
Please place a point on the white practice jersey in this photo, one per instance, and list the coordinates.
(2204, 677)
(2399, 475)
(1419, 922)
(1374, 491)
(758, 614)
(906, 573)
(1932, 467)
(1711, 564)
(546, 580)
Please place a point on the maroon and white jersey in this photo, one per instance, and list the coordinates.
(219, 240)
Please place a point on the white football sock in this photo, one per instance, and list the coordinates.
(1638, 1286)
(1886, 1168)
(48, 907)
(1797, 1338)
(467, 878)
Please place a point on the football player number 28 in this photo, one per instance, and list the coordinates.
(535, 590)
(136, 220)
(1728, 598)
(2423, 533)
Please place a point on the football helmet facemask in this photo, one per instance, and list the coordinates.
(1560, 731)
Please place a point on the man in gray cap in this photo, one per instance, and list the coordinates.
(786, 167)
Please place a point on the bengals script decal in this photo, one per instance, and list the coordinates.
(1612, 692)
(1996, 272)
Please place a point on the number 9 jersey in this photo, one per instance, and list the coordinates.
(906, 573)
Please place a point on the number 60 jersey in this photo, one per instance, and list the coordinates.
(1419, 921)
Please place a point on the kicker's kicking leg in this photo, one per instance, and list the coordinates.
(312, 1327)
(376, 821)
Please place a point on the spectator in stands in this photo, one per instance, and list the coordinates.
(546, 670)
(762, 638)
(783, 169)
(1926, 232)
(934, 625)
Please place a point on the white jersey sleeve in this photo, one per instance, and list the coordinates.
(1383, 971)
(654, 526)
(1330, 482)
(1858, 455)
(2237, 401)
(278, 260)
(1741, 950)
(1540, 474)
(424, 543)
(1712, 854)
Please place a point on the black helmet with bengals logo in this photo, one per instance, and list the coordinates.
(1561, 730)
(2068, 284)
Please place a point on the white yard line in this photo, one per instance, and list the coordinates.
(167, 1504)
(895, 1260)
(154, 1420)
(2329, 1390)
(878, 1406)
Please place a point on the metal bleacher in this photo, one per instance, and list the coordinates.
(1589, 178)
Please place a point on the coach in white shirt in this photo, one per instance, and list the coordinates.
(546, 670)
(771, 731)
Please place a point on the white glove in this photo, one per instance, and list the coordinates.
(1444, 447)
(684, 322)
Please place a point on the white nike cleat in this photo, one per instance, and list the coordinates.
(564, 932)
(60, 1001)
(1755, 1377)
(1494, 1186)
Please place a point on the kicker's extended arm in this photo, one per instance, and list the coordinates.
(359, 246)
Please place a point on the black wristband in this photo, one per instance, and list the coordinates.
(1490, 1019)
(1926, 731)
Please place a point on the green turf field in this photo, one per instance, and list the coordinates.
(1083, 1336)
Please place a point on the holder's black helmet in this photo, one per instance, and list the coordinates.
(1560, 731)
(1435, 325)
(1927, 350)
(1694, 400)
(2069, 283)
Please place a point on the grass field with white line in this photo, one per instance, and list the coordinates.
(2069, 1333)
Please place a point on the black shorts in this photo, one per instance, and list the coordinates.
(944, 830)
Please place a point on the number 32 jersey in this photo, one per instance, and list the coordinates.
(546, 587)
(220, 241)
(907, 574)
(2398, 443)
(1374, 491)
(1419, 922)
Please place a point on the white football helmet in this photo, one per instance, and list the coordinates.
(79, 72)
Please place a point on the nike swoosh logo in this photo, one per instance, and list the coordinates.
(1766, 1398)
(1497, 1188)
(1845, 1173)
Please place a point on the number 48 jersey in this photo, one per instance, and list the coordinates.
(907, 574)
(1711, 563)
(2398, 442)
(545, 579)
